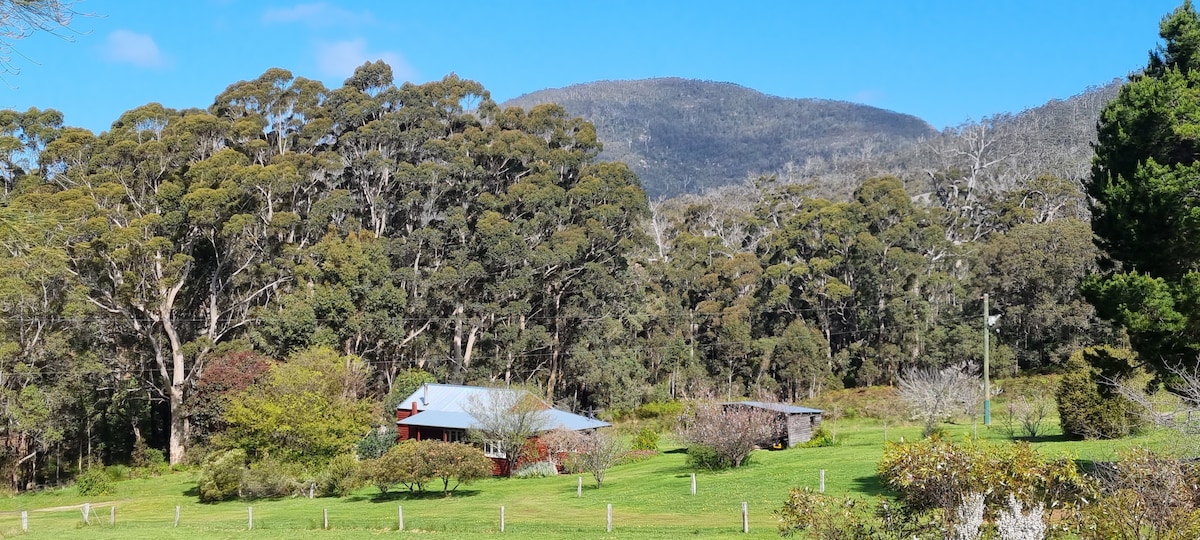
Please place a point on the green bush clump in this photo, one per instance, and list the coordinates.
(341, 477)
(1088, 406)
(221, 475)
(94, 481)
(148, 461)
(821, 438)
(646, 439)
(705, 457)
(118, 472)
(376, 443)
(269, 479)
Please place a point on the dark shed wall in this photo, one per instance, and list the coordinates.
(800, 427)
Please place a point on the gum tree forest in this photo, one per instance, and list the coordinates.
(362, 233)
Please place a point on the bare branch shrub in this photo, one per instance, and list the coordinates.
(936, 395)
(601, 450)
(1025, 417)
(1179, 409)
(1147, 495)
(731, 431)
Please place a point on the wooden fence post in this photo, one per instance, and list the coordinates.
(745, 518)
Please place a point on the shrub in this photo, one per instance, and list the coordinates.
(938, 475)
(116, 473)
(221, 475)
(821, 438)
(459, 462)
(148, 461)
(1146, 495)
(94, 481)
(1088, 406)
(564, 444)
(341, 477)
(1024, 417)
(823, 517)
(646, 439)
(704, 457)
(400, 465)
(415, 463)
(269, 479)
(376, 443)
(537, 469)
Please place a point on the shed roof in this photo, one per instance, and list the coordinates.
(441, 405)
(777, 407)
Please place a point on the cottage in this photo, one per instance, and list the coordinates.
(439, 411)
(797, 423)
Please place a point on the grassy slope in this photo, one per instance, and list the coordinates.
(650, 499)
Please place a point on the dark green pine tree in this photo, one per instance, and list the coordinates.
(1145, 187)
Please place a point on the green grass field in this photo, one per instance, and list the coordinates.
(650, 499)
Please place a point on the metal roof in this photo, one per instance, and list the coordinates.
(443, 419)
(441, 405)
(777, 407)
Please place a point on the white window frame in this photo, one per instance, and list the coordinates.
(494, 449)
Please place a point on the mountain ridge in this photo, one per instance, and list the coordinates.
(688, 136)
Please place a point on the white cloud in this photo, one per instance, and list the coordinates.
(339, 58)
(316, 14)
(123, 46)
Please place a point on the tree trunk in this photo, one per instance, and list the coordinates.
(178, 424)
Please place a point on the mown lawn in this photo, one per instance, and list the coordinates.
(650, 499)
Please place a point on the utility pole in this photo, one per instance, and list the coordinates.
(987, 386)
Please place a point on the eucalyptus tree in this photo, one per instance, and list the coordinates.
(1034, 273)
(166, 251)
(44, 335)
(897, 251)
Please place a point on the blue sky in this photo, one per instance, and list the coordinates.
(946, 61)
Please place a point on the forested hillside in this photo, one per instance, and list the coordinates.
(686, 136)
(263, 273)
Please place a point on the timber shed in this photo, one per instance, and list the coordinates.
(797, 423)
